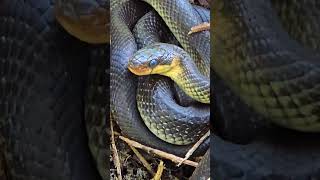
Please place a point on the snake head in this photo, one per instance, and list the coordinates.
(86, 20)
(154, 59)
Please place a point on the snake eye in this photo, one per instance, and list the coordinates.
(153, 63)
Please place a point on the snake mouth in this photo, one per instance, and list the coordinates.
(78, 27)
(140, 71)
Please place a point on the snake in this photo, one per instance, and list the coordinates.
(85, 19)
(147, 35)
(72, 23)
(124, 84)
(66, 17)
(154, 100)
(41, 128)
(88, 21)
(267, 56)
(277, 80)
(271, 100)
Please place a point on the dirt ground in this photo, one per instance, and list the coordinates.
(132, 168)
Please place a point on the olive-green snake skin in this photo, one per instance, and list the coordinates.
(267, 53)
(172, 61)
(271, 72)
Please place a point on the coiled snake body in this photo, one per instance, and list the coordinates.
(269, 70)
(273, 66)
(41, 129)
(88, 21)
(123, 83)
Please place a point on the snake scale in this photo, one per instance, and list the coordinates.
(69, 14)
(266, 60)
(124, 109)
(87, 20)
(123, 83)
(263, 59)
(147, 35)
(281, 81)
(300, 105)
(41, 111)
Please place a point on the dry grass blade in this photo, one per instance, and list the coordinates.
(116, 158)
(143, 160)
(194, 147)
(159, 171)
(162, 154)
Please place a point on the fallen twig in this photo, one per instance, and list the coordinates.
(116, 158)
(194, 147)
(143, 160)
(116, 133)
(201, 27)
(162, 154)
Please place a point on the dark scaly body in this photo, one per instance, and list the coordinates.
(249, 38)
(95, 108)
(271, 72)
(88, 20)
(156, 101)
(155, 98)
(301, 20)
(41, 127)
(123, 83)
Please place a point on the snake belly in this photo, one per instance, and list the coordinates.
(270, 71)
(124, 84)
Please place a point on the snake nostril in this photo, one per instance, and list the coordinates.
(133, 64)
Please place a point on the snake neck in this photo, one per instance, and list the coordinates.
(191, 81)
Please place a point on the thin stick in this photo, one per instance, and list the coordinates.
(194, 147)
(116, 158)
(162, 154)
(143, 160)
(159, 171)
(116, 133)
(201, 27)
